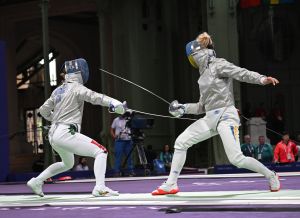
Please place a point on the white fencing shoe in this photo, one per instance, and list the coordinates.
(104, 192)
(274, 183)
(36, 186)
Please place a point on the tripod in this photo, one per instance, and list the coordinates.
(138, 142)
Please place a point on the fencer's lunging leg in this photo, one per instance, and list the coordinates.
(67, 163)
(230, 138)
(89, 147)
(100, 168)
(196, 132)
(86, 146)
(178, 161)
(59, 167)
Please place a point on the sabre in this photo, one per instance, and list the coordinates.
(152, 93)
(112, 110)
(163, 116)
(141, 87)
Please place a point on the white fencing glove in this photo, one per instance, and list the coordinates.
(117, 107)
(176, 109)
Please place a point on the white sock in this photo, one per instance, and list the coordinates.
(100, 169)
(176, 166)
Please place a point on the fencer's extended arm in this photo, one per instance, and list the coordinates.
(94, 97)
(194, 108)
(46, 110)
(227, 69)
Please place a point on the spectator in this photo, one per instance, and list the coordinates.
(263, 152)
(150, 155)
(82, 164)
(247, 148)
(286, 150)
(123, 143)
(166, 156)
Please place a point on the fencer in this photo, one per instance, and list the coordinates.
(64, 109)
(217, 101)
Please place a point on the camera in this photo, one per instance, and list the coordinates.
(135, 121)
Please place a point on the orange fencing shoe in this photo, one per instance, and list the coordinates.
(166, 189)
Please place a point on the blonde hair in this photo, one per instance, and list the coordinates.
(205, 40)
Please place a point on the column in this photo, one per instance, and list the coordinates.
(4, 133)
(222, 26)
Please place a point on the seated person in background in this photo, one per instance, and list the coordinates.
(166, 156)
(247, 148)
(82, 164)
(263, 151)
(286, 150)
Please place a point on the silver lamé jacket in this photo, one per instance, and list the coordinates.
(216, 82)
(66, 102)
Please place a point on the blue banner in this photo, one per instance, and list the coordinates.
(4, 137)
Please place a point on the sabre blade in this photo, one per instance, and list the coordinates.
(163, 116)
(141, 87)
(150, 92)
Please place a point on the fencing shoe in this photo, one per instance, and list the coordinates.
(36, 186)
(166, 189)
(104, 192)
(274, 183)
